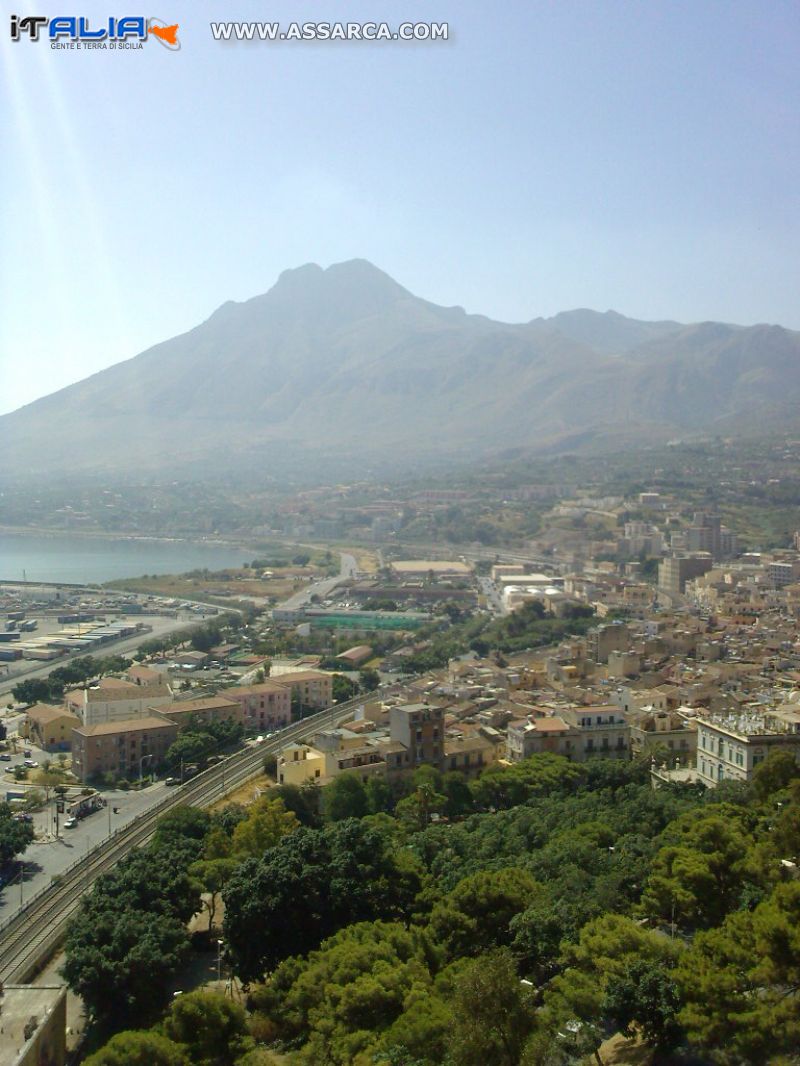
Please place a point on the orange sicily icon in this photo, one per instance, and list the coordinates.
(168, 34)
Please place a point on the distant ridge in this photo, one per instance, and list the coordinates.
(344, 367)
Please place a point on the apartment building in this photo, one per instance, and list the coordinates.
(313, 688)
(533, 736)
(265, 707)
(731, 746)
(676, 570)
(667, 735)
(115, 700)
(123, 748)
(204, 711)
(420, 729)
(577, 733)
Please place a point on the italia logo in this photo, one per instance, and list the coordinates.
(77, 30)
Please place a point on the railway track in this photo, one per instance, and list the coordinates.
(30, 937)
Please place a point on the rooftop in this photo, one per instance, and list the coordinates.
(20, 1004)
(133, 725)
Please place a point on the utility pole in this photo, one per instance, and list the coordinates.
(21, 880)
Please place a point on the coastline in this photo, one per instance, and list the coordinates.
(99, 534)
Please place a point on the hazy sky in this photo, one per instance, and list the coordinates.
(636, 155)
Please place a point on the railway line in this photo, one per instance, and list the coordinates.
(30, 937)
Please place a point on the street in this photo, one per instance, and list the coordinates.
(347, 571)
(44, 860)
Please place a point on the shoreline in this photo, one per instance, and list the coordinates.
(94, 534)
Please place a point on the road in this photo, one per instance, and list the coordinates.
(32, 934)
(347, 571)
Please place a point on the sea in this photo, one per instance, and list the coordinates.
(75, 559)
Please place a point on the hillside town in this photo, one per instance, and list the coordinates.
(655, 643)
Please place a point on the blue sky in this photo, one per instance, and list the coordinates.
(641, 156)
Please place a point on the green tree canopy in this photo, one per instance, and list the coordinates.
(344, 996)
(344, 797)
(212, 1028)
(492, 1017)
(741, 983)
(312, 883)
(266, 823)
(120, 961)
(15, 835)
(477, 914)
(132, 1048)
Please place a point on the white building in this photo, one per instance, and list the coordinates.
(730, 747)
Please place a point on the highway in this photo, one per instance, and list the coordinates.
(30, 937)
(348, 569)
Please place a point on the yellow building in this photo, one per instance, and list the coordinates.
(49, 727)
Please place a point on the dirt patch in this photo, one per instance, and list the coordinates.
(245, 794)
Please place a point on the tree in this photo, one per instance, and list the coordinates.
(204, 638)
(267, 821)
(347, 998)
(311, 884)
(129, 936)
(257, 1057)
(15, 835)
(132, 1048)
(697, 880)
(212, 1027)
(379, 795)
(416, 810)
(775, 773)
(120, 961)
(343, 688)
(491, 1013)
(34, 690)
(477, 914)
(301, 800)
(182, 829)
(539, 932)
(459, 797)
(645, 997)
(370, 679)
(741, 983)
(190, 748)
(607, 949)
(213, 875)
(540, 775)
(344, 797)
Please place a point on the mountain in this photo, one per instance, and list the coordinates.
(344, 370)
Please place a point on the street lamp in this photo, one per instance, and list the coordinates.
(141, 762)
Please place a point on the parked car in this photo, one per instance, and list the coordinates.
(172, 781)
(27, 753)
(5, 756)
(31, 764)
(70, 823)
